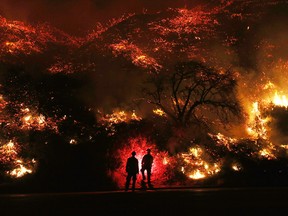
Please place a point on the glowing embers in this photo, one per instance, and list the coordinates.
(62, 67)
(135, 54)
(159, 112)
(224, 140)
(23, 118)
(32, 120)
(120, 116)
(186, 22)
(21, 38)
(73, 142)
(20, 46)
(101, 28)
(3, 103)
(20, 169)
(236, 167)
(117, 117)
(254, 147)
(8, 152)
(10, 46)
(268, 152)
(15, 42)
(9, 158)
(196, 164)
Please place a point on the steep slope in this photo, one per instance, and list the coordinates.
(19, 41)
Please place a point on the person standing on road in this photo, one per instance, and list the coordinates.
(146, 163)
(132, 169)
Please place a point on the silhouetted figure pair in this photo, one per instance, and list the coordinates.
(132, 169)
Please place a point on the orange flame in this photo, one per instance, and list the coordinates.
(195, 166)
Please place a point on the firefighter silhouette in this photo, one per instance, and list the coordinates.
(146, 164)
(132, 169)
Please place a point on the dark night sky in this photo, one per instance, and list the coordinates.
(79, 16)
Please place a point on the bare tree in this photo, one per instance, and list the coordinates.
(194, 93)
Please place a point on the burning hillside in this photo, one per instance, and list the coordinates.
(205, 88)
(20, 40)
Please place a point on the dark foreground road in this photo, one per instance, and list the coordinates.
(229, 201)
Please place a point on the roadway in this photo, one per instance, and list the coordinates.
(162, 201)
